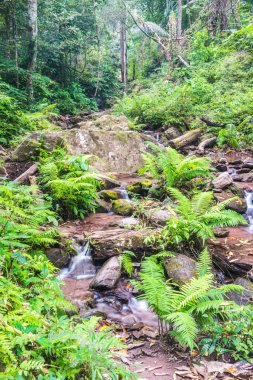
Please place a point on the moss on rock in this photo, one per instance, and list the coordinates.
(123, 207)
(140, 187)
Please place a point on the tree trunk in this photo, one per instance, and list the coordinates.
(123, 51)
(98, 47)
(32, 47)
(7, 30)
(179, 21)
(15, 39)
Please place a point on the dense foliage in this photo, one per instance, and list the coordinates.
(37, 338)
(192, 307)
(69, 181)
(215, 92)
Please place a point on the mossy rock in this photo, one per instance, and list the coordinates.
(123, 207)
(180, 268)
(140, 187)
(110, 195)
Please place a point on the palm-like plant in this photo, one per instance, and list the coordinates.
(192, 307)
(172, 168)
(197, 216)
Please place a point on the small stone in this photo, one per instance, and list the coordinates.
(102, 206)
(238, 205)
(108, 275)
(110, 195)
(220, 232)
(140, 187)
(222, 181)
(246, 297)
(129, 223)
(180, 268)
(159, 217)
(223, 161)
(248, 163)
(221, 168)
(123, 207)
(235, 162)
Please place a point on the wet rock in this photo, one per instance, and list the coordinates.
(243, 171)
(110, 195)
(123, 207)
(238, 205)
(159, 217)
(248, 163)
(128, 223)
(220, 232)
(103, 206)
(172, 133)
(58, 257)
(246, 177)
(180, 268)
(140, 187)
(246, 297)
(186, 139)
(108, 275)
(222, 181)
(223, 161)
(235, 162)
(108, 181)
(221, 167)
(113, 242)
(93, 313)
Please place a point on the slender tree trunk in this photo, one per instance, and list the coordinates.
(98, 47)
(32, 48)
(123, 51)
(179, 21)
(15, 39)
(7, 20)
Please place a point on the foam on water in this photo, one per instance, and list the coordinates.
(81, 266)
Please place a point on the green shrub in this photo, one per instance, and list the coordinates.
(70, 183)
(196, 217)
(233, 337)
(22, 213)
(189, 309)
(171, 168)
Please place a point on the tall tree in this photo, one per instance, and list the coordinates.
(123, 49)
(32, 47)
(179, 21)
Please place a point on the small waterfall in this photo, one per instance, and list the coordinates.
(249, 201)
(81, 266)
(124, 193)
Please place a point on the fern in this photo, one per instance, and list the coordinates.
(172, 168)
(196, 217)
(127, 263)
(190, 308)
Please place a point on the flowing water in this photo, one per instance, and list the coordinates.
(249, 201)
(81, 265)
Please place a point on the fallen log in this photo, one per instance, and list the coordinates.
(205, 144)
(211, 123)
(29, 172)
(186, 139)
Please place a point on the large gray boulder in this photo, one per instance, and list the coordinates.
(180, 268)
(222, 181)
(109, 139)
(108, 275)
(246, 297)
(159, 217)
